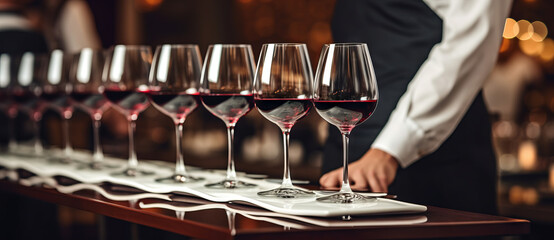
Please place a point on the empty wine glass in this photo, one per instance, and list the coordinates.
(226, 81)
(173, 89)
(7, 73)
(283, 95)
(55, 92)
(85, 77)
(345, 95)
(125, 78)
(26, 91)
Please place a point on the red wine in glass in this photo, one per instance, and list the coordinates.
(345, 114)
(22, 96)
(175, 104)
(51, 96)
(128, 100)
(80, 96)
(228, 107)
(284, 111)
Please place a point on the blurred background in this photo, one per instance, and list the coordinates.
(519, 93)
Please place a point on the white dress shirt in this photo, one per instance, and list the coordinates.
(444, 87)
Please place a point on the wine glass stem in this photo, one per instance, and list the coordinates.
(345, 188)
(68, 150)
(180, 163)
(38, 143)
(231, 174)
(97, 156)
(12, 144)
(133, 162)
(287, 182)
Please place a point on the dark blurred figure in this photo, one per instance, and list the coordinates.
(17, 33)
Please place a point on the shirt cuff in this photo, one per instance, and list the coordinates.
(400, 139)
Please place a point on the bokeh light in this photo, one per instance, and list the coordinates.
(531, 47)
(547, 53)
(539, 31)
(511, 28)
(525, 30)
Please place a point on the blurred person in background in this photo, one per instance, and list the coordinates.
(429, 140)
(19, 32)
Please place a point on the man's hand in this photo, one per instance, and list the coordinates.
(375, 170)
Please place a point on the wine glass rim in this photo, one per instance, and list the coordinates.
(285, 44)
(353, 44)
(131, 46)
(94, 49)
(229, 45)
(183, 45)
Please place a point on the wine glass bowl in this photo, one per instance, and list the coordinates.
(226, 92)
(125, 79)
(26, 90)
(85, 78)
(283, 95)
(345, 95)
(55, 93)
(173, 90)
(8, 69)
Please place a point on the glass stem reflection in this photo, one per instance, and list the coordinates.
(133, 162)
(180, 163)
(287, 182)
(12, 143)
(231, 174)
(37, 141)
(68, 150)
(345, 188)
(97, 156)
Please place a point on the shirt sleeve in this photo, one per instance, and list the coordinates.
(446, 84)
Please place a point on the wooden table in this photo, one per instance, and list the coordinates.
(214, 223)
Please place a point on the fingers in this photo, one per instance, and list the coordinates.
(331, 179)
(374, 183)
(358, 180)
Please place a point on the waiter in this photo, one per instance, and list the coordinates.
(429, 140)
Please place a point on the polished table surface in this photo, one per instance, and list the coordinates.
(206, 220)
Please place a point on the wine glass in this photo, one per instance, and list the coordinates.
(283, 95)
(55, 92)
(26, 91)
(226, 82)
(125, 78)
(173, 89)
(345, 95)
(7, 73)
(85, 77)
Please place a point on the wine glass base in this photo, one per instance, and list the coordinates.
(179, 178)
(133, 172)
(346, 198)
(230, 184)
(287, 192)
(60, 160)
(97, 166)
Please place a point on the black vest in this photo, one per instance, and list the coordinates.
(400, 35)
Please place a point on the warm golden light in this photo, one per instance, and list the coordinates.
(527, 155)
(511, 28)
(551, 176)
(525, 30)
(153, 3)
(539, 31)
(531, 47)
(505, 45)
(547, 52)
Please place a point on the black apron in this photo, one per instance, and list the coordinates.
(461, 174)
